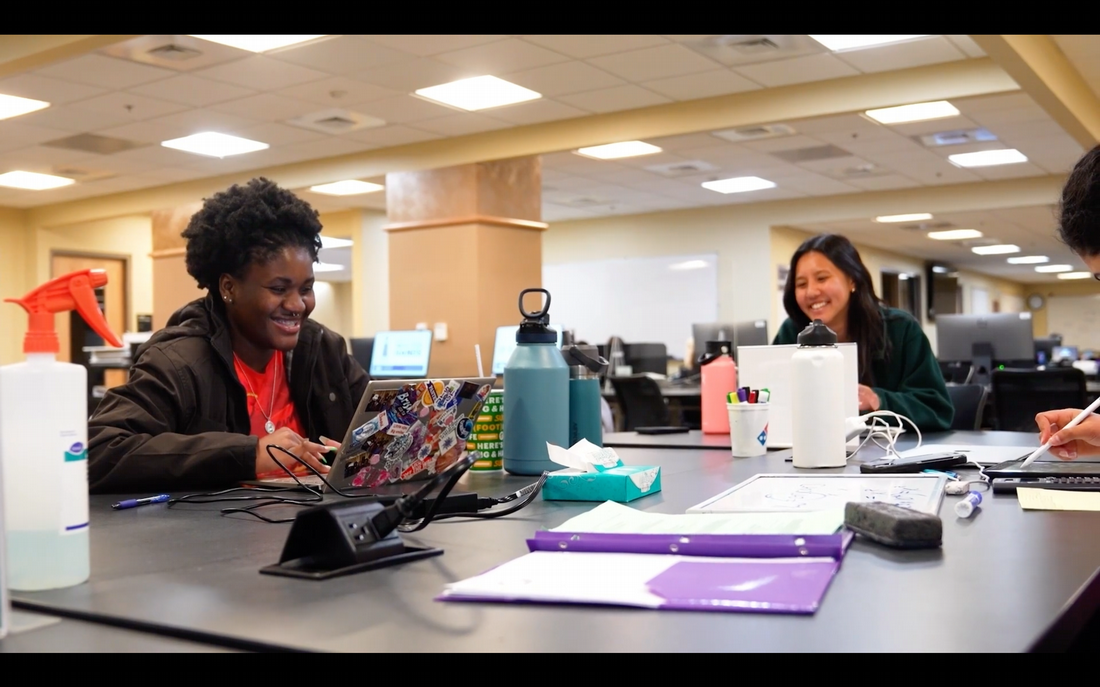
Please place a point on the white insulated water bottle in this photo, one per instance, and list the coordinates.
(817, 400)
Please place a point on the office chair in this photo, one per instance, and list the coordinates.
(969, 401)
(1019, 395)
(641, 402)
(361, 351)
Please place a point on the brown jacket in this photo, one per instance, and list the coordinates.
(181, 422)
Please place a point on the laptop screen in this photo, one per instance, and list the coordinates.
(506, 344)
(401, 354)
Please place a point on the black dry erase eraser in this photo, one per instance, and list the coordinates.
(891, 525)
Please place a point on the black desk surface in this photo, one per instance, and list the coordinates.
(76, 636)
(1004, 581)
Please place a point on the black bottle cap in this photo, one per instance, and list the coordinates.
(817, 334)
(535, 329)
(715, 350)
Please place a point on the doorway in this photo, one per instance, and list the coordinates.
(72, 333)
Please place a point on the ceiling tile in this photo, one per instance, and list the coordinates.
(614, 99)
(413, 75)
(106, 72)
(1016, 171)
(831, 165)
(261, 73)
(883, 183)
(794, 142)
(995, 118)
(995, 103)
(14, 135)
(1055, 154)
(342, 55)
(841, 124)
(585, 46)
(267, 107)
(279, 134)
(404, 109)
(967, 45)
(329, 147)
(157, 155)
(430, 45)
(339, 91)
(149, 131)
(536, 111)
(1017, 132)
(392, 135)
(936, 175)
(133, 106)
(627, 177)
(818, 185)
(701, 85)
(934, 126)
(42, 158)
(53, 91)
(685, 141)
(654, 63)
(500, 57)
(73, 118)
(566, 77)
(797, 70)
(191, 90)
(461, 124)
(195, 121)
(903, 55)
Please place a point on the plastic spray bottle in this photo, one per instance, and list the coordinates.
(43, 441)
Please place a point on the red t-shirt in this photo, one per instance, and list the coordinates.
(260, 387)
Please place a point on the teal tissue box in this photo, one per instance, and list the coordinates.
(624, 483)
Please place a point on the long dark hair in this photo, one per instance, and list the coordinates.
(865, 325)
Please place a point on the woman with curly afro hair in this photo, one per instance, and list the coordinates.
(237, 371)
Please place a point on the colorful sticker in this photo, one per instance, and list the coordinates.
(397, 429)
(368, 429)
(434, 389)
(464, 428)
(468, 390)
(483, 392)
(450, 393)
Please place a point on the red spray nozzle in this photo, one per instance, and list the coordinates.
(73, 291)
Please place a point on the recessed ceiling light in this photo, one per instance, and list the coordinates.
(214, 144)
(326, 267)
(987, 158)
(914, 217)
(689, 265)
(1028, 260)
(953, 234)
(839, 43)
(1075, 275)
(333, 242)
(738, 184)
(999, 249)
(1054, 268)
(348, 187)
(257, 43)
(13, 106)
(612, 151)
(478, 93)
(917, 112)
(32, 181)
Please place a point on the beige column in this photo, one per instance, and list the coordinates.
(173, 287)
(463, 242)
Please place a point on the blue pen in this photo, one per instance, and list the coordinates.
(134, 503)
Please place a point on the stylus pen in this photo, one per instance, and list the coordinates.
(1072, 423)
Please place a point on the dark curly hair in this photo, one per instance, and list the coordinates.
(244, 225)
(1079, 209)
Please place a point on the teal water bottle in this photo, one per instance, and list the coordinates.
(585, 367)
(536, 394)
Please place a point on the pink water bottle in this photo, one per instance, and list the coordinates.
(719, 378)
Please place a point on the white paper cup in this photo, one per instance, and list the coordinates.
(748, 428)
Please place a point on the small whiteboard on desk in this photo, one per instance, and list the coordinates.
(793, 493)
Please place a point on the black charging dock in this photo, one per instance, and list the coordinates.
(339, 539)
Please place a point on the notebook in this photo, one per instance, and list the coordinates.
(402, 431)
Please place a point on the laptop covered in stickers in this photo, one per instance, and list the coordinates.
(402, 431)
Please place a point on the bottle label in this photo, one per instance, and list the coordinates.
(74, 490)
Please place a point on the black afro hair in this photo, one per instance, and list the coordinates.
(1079, 209)
(244, 225)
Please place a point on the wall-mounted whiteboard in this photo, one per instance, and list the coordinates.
(641, 300)
(1077, 319)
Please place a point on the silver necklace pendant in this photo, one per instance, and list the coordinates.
(270, 427)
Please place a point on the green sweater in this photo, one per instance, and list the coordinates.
(910, 382)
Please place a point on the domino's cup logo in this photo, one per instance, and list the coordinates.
(76, 448)
(763, 436)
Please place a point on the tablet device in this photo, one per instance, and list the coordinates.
(1046, 468)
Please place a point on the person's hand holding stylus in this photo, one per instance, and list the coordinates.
(1070, 432)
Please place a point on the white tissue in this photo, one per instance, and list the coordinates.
(584, 456)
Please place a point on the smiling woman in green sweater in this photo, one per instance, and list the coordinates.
(897, 371)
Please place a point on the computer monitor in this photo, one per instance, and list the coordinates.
(401, 355)
(1061, 353)
(751, 333)
(505, 344)
(646, 357)
(986, 340)
(1044, 349)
